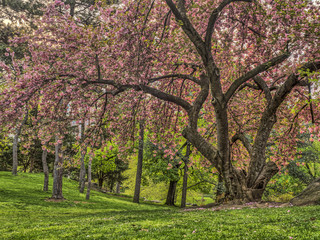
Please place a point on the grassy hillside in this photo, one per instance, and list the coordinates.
(25, 214)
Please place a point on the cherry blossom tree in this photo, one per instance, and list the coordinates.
(232, 76)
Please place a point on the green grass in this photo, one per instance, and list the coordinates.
(24, 214)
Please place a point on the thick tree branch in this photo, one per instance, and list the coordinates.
(204, 147)
(268, 119)
(198, 102)
(259, 69)
(187, 26)
(165, 96)
(153, 91)
(256, 87)
(182, 76)
(263, 85)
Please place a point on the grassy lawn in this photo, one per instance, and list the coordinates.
(24, 214)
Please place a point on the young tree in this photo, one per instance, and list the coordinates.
(82, 176)
(207, 74)
(15, 146)
(136, 197)
(45, 170)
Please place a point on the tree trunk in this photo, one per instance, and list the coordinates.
(31, 165)
(185, 178)
(100, 182)
(236, 182)
(171, 193)
(57, 173)
(82, 177)
(89, 179)
(112, 186)
(15, 153)
(136, 196)
(118, 188)
(220, 190)
(15, 146)
(45, 170)
(309, 196)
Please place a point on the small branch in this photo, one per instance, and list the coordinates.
(182, 76)
(187, 26)
(214, 17)
(294, 118)
(244, 140)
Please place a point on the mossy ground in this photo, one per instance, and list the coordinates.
(25, 214)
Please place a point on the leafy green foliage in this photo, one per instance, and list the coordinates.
(107, 166)
(159, 165)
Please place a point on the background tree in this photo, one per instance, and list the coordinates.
(136, 196)
(270, 47)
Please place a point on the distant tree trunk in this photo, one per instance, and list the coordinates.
(15, 146)
(136, 196)
(171, 193)
(118, 188)
(100, 182)
(57, 173)
(45, 170)
(82, 177)
(89, 179)
(31, 164)
(185, 177)
(15, 152)
(112, 186)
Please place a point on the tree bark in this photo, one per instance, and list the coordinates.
(136, 197)
(89, 179)
(31, 165)
(45, 170)
(15, 152)
(171, 193)
(100, 182)
(185, 177)
(57, 173)
(15, 146)
(219, 192)
(82, 175)
(118, 188)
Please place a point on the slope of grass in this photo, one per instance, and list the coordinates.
(24, 214)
